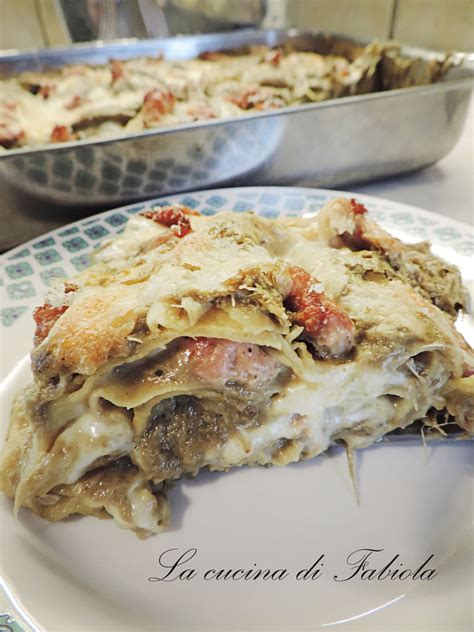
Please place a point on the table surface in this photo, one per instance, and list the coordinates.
(446, 187)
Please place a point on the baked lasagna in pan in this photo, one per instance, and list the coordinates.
(214, 342)
(130, 96)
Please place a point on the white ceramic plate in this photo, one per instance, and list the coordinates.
(86, 574)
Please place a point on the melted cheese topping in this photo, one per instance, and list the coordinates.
(82, 101)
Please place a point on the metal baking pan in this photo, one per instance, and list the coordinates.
(330, 143)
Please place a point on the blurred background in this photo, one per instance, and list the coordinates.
(438, 24)
(434, 24)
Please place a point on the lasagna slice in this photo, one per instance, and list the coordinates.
(212, 342)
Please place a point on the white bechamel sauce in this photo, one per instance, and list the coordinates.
(95, 436)
(145, 508)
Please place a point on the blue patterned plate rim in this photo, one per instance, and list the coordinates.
(277, 190)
